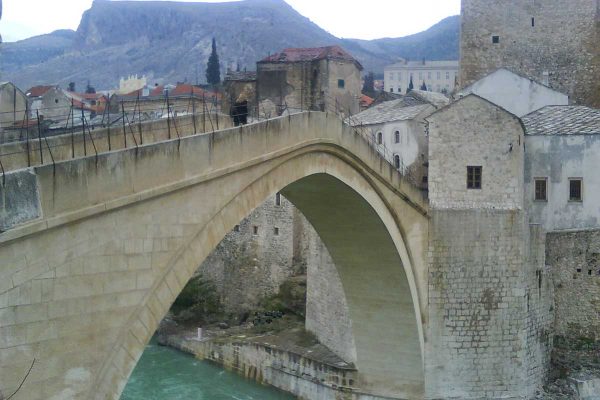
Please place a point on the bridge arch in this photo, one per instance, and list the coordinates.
(366, 243)
(109, 242)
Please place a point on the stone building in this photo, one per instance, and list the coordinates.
(515, 93)
(490, 301)
(551, 41)
(13, 104)
(239, 90)
(437, 76)
(321, 79)
(561, 169)
(398, 132)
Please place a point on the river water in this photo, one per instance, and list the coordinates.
(163, 373)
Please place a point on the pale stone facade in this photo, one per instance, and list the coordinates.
(438, 76)
(131, 84)
(486, 309)
(13, 105)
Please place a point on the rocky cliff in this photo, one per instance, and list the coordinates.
(170, 41)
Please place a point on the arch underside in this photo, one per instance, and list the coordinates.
(333, 196)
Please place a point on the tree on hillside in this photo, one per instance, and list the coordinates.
(369, 85)
(89, 88)
(424, 86)
(213, 68)
(410, 85)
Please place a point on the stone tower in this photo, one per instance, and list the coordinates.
(556, 42)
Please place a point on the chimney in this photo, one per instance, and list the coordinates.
(546, 78)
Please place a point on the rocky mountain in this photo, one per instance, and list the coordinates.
(170, 41)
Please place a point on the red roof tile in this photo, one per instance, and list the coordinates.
(38, 91)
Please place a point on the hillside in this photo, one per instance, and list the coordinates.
(170, 41)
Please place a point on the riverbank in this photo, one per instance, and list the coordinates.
(290, 359)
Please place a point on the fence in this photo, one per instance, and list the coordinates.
(37, 141)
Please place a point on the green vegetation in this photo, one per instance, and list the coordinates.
(213, 67)
(197, 302)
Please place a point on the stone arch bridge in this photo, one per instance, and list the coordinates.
(108, 243)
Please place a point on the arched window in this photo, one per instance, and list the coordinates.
(397, 161)
(397, 137)
(379, 138)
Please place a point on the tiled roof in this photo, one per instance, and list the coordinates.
(366, 101)
(240, 76)
(310, 54)
(389, 111)
(437, 99)
(425, 64)
(563, 120)
(38, 91)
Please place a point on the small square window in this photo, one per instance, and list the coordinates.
(541, 189)
(495, 39)
(276, 231)
(575, 189)
(474, 177)
(255, 230)
(341, 83)
(391, 90)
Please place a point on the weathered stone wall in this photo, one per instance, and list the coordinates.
(474, 132)
(477, 305)
(248, 266)
(308, 86)
(563, 42)
(489, 318)
(327, 313)
(574, 257)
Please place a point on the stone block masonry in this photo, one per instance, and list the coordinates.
(546, 40)
(574, 257)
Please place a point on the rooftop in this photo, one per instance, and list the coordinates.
(311, 54)
(437, 99)
(389, 111)
(38, 91)
(424, 64)
(563, 120)
(240, 76)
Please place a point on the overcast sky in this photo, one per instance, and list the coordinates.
(344, 18)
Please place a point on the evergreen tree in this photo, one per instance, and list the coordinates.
(213, 68)
(424, 86)
(369, 84)
(410, 85)
(71, 86)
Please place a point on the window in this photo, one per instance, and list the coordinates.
(236, 228)
(429, 75)
(575, 192)
(439, 75)
(532, 22)
(379, 138)
(399, 76)
(420, 76)
(397, 161)
(276, 231)
(391, 76)
(278, 199)
(391, 90)
(447, 75)
(397, 137)
(399, 89)
(341, 83)
(255, 230)
(56, 101)
(541, 189)
(474, 177)
(495, 39)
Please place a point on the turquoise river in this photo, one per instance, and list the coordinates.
(167, 374)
